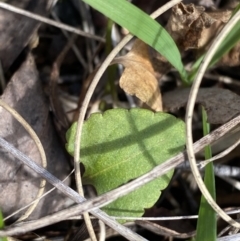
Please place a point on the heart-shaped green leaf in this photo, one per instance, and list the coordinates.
(121, 145)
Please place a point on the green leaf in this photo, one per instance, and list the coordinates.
(121, 145)
(143, 26)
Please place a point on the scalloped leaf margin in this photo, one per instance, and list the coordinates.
(120, 145)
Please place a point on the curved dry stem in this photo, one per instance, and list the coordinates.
(89, 94)
(190, 106)
(37, 199)
(49, 21)
(89, 226)
(102, 236)
(38, 143)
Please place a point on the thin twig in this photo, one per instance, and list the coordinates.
(231, 181)
(202, 164)
(102, 235)
(49, 21)
(74, 47)
(172, 217)
(189, 114)
(233, 211)
(68, 191)
(37, 199)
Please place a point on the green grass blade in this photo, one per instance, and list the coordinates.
(207, 224)
(143, 26)
(2, 226)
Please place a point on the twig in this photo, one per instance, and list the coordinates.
(67, 191)
(102, 235)
(49, 21)
(234, 237)
(37, 199)
(110, 196)
(237, 211)
(202, 164)
(74, 47)
(189, 114)
(231, 181)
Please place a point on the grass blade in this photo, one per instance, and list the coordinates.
(2, 226)
(143, 26)
(207, 224)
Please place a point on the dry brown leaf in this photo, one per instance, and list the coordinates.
(138, 77)
(192, 28)
(19, 184)
(221, 104)
(232, 58)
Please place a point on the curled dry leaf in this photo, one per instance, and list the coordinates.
(138, 77)
(192, 28)
(221, 104)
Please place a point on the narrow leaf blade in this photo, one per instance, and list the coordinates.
(143, 26)
(207, 223)
(2, 226)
